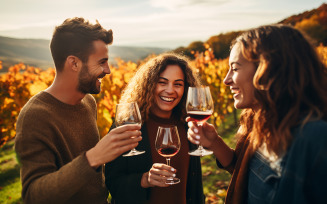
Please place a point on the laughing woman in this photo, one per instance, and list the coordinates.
(280, 83)
(159, 87)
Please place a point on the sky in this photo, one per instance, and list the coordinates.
(148, 23)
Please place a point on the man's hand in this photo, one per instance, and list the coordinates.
(115, 143)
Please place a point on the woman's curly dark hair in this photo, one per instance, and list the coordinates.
(141, 87)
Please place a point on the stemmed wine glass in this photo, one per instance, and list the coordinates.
(199, 106)
(168, 145)
(128, 113)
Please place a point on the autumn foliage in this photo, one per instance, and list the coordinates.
(22, 82)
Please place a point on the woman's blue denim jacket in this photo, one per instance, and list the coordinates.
(303, 174)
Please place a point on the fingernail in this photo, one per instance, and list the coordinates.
(174, 175)
(197, 137)
(172, 169)
(196, 130)
(197, 142)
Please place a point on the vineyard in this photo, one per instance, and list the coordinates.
(21, 82)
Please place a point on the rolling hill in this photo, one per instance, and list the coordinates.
(36, 52)
(313, 23)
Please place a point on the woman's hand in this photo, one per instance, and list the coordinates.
(157, 176)
(205, 135)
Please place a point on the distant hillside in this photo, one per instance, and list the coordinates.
(313, 22)
(36, 52)
(293, 20)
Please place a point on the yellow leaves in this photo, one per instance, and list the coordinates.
(21, 82)
(209, 80)
(128, 76)
(36, 87)
(230, 109)
(308, 22)
(7, 102)
(117, 82)
(17, 86)
(222, 89)
(222, 193)
(322, 51)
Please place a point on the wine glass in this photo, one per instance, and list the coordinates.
(168, 145)
(128, 113)
(199, 107)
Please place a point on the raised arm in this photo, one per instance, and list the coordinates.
(209, 138)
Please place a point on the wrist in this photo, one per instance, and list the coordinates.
(215, 143)
(144, 180)
(92, 159)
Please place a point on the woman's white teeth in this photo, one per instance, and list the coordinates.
(167, 99)
(235, 91)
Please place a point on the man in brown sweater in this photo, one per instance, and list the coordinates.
(57, 141)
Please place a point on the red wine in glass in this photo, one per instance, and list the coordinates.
(168, 145)
(199, 106)
(199, 116)
(168, 151)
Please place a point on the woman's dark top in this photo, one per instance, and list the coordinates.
(123, 175)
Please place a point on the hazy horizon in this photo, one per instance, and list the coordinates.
(147, 23)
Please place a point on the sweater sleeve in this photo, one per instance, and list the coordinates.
(231, 166)
(238, 154)
(43, 179)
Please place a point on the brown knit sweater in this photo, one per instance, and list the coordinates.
(51, 141)
(174, 193)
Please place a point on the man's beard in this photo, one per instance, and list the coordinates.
(87, 83)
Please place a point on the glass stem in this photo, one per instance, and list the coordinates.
(168, 161)
(200, 146)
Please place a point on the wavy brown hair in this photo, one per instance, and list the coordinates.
(290, 85)
(142, 86)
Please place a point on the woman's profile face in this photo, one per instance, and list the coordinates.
(169, 91)
(240, 79)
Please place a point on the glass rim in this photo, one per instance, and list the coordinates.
(168, 126)
(126, 103)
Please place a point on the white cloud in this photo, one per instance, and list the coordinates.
(177, 4)
(167, 23)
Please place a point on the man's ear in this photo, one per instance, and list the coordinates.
(73, 62)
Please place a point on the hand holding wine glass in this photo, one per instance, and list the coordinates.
(168, 145)
(128, 113)
(199, 107)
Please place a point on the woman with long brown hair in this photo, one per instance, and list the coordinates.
(160, 88)
(280, 83)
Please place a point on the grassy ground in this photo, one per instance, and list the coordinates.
(10, 187)
(215, 181)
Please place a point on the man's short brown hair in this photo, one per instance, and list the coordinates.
(75, 37)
